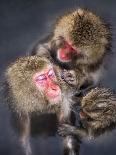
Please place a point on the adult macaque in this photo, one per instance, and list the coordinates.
(80, 40)
(97, 115)
(34, 86)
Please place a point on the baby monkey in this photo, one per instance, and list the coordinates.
(97, 114)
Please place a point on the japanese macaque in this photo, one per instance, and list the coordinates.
(97, 115)
(80, 40)
(34, 86)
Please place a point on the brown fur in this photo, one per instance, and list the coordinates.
(22, 90)
(87, 32)
(97, 116)
(100, 106)
(25, 99)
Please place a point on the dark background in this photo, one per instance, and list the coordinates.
(22, 23)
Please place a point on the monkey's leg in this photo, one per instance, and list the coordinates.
(67, 129)
(70, 142)
(25, 134)
(71, 145)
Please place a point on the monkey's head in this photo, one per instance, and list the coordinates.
(80, 37)
(98, 108)
(33, 84)
(75, 78)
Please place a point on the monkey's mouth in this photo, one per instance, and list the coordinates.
(54, 94)
(64, 55)
(67, 52)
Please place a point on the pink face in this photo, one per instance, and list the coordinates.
(65, 53)
(44, 81)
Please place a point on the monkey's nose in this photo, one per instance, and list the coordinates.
(54, 86)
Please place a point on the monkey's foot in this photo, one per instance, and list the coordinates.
(66, 129)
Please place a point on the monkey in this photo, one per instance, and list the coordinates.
(97, 115)
(34, 86)
(80, 39)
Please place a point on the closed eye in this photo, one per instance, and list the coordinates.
(41, 78)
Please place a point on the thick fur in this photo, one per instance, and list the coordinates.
(99, 114)
(24, 97)
(87, 32)
(90, 35)
(100, 106)
(22, 91)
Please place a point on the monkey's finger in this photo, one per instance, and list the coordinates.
(66, 129)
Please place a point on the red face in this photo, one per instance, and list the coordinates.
(44, 81)
(66, 52)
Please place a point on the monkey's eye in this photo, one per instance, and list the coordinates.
(41, 78)
(51, 73)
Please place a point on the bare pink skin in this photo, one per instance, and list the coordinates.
(45, 82)
(65, 53)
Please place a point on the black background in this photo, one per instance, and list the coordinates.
(22, 23)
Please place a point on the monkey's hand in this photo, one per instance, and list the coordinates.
(66, 129)
(69, 76)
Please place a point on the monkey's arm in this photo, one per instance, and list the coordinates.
(66, 129)
(85, 88)
(42, 47)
